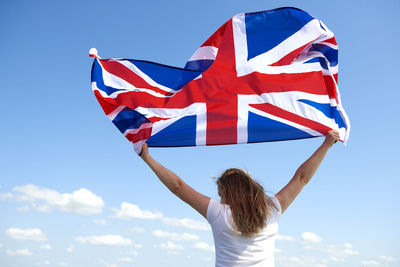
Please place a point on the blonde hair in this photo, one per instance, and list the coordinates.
(249, 204)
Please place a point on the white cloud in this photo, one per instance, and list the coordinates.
(125, 260)
(48, 247)
(105, 240)
(26, 234)
(4, 196)
(351, 252)
(287, 261)
(170, 246)
(107, 264)
(175, 236)
(319, 253)
(365, 262)
(387, 258)
(62, 264)
(70, 248)
(137, 230)
(187, 223)
(100, 222)
(303, 260)
(277, 250)
(348, 245)
(81, 201)
(1, 245)
(130, 211)
(207, 259)
(132, 252)
(173, 252)
(334, 253)
(311, 237)
(46, 262)
(21, 252)
(334, 259)
(284, 237)
(204, 246)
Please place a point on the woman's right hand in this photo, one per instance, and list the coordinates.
(331, 138)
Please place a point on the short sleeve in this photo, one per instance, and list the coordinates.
(278, 205)
(213, 210)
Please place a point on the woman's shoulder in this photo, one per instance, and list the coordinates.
(216, 209)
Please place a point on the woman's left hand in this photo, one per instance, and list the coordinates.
(145, 151)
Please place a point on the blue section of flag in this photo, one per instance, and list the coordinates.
(315, 60)
(97, 76)
(265, 30)
(129, 119)
(199, 65)
(171, 77)
(329, 53)
(320, 60)
(261, 129)
(180, 133)
(328, 110)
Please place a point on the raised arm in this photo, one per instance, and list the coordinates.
(306, 171)
(176, 185)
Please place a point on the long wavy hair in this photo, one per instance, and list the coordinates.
(250, 206)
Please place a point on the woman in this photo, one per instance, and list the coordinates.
(245, 222)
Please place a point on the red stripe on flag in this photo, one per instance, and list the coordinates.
(331, 41)
(141, 135)
(336, 76)
(134, 100)
(156, 119)
(331, 86)
(281, 113)
(221, 102)
(123, 72)
(215, 39)
(288, 59)
(107, 104)
(222, 124)
(309, 82)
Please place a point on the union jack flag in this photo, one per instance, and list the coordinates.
(263, 76)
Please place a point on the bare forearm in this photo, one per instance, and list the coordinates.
(310, 166)
(167, 177)
(306, 171)
(176, 185)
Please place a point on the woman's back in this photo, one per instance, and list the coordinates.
(231, 248)
(255, 215)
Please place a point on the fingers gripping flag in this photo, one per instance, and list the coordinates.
(264, 76)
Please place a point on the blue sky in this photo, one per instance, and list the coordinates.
(74, 193)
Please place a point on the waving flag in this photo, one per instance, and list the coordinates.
(263, 76)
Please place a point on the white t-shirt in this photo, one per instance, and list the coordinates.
(235, 250)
